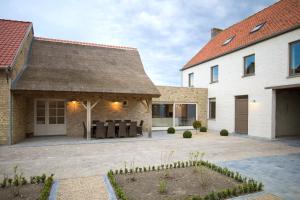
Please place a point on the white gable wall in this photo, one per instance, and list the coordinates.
(271, 69)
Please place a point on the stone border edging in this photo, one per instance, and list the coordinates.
(53, 190)
(110, 190)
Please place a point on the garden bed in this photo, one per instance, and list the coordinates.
(22, 192)
(19, 188)
(180, 181)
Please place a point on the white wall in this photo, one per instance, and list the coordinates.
(271, 69)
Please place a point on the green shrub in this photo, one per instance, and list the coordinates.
(197, 125)
(47, 187)
(187, 134)
(162, 186)
(203, 129)
(171, 130)
(224, 132)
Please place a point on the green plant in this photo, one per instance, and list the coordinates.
(197, 125)
(171, 130)
(187, 134)
(162, 186)
(47, 187)
(203, 129)
(224, 132)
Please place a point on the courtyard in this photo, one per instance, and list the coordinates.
(274, 162)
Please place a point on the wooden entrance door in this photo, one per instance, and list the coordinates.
(241, 114)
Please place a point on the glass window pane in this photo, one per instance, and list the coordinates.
(60, 120)
(295, 58)
(52, 120)
(185, 114)
(52, 112)
(60, 104)
(214, 73)
(249, 67)
(212, 108)
(40, 120)
(40, 112)
(52, 104)
(162, 115)
(61, 112)
(191, 80)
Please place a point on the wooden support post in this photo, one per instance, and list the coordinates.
(88, 119)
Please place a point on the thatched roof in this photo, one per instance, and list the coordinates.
(79, 67)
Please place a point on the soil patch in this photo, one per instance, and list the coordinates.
(180, 183)
(26, 192)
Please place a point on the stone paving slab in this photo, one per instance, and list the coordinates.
(88, 188)
(266, 197)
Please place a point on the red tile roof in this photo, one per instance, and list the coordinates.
(11, 36)
(280, 17)
(84, 43)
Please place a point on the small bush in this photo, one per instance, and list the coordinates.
(203, 129)
(224, 132)
(197, 125)
(171, 130)
(187, 134)
(162, 186)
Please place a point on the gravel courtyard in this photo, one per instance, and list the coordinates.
(74, 158)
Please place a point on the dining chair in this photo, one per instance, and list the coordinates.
(100, 130)
(111, 130)
(133, 129)
(122, 129)
(140, 128)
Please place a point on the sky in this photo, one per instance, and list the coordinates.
(167, 33)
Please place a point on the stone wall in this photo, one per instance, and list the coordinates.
(185, 95)
(5, 92)
(4, 108)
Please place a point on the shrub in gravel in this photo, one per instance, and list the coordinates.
(203, 129)
(187, 134)
(171, 130)
(224, 132)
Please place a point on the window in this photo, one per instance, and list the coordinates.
(191, 80)
(214, 74)
(162, 115)
(228, 40)
(249, 65)
(257, 27)
(185, 114)
(212, 108)
(56, 112)
(294, 58)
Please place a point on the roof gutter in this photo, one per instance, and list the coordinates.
(244, 46)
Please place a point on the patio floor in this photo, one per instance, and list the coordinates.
(76, 157)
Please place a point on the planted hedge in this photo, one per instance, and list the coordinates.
(224, 132)
(187, 134)
(203, 129)
(171, 130)
(246, 185)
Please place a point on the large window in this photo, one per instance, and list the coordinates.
(185, 114)
(249, 65)
(212, 108)
(191, 80)
(295, 58)
(162, 114)
(214, 74)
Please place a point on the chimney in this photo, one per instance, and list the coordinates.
(215, 31)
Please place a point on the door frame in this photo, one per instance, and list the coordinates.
(235, 114)
(47, 115)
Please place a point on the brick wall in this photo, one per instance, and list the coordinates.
(185, 95)
(4, 109)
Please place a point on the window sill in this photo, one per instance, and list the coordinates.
(212, 119)
(293, 76)
(247, 75)
(213, 82)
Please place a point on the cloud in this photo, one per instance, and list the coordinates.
(166, 32)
